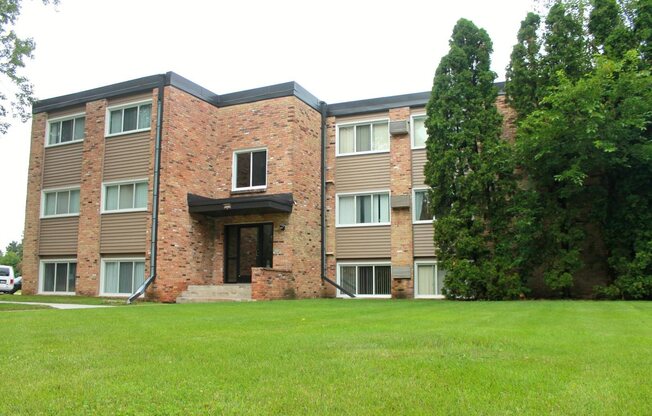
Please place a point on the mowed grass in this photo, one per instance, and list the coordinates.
(19, 307)
(79, 300)
(332, 357)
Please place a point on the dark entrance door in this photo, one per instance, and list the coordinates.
(247, 246)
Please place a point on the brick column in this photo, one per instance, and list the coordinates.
(331, 273)
(401, 188)
(90, 195)
(30, 263)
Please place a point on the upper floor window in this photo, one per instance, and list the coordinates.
(421, 210)
(62, 202)
(419, 134)
(66, 130)
(130, 118)
(363, 138)
(126, 196)
(372, 209)
(250, 169)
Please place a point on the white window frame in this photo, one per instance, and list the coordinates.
(355, 208)
(60, 189)
(41, 276)
(103, 270)
(234, 173)
(414, 206)
(58, 120)
(412, 136)
(343, 295)
(107, 118)
(103, 210)
(359, 123)
(425, 262)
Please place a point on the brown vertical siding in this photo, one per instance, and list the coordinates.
(418, 163)
(123, 232)
(423, 240)
(58, 236)
(361, 173)
(127, 157)
(363, 242)
(62, 165)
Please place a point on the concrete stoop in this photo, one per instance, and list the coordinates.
(216, 293)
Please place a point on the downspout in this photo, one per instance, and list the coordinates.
(323, 111)
(155, 191)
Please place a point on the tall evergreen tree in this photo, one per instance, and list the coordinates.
(522, 88)
(611, 36)
(470, 171)
(565, 44)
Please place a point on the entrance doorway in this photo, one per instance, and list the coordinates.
(247, 246)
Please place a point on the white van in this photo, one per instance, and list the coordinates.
(7, 279)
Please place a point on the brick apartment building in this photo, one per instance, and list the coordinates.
(263, 194)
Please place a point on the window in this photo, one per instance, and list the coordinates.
(59, 203)
(58, 276)
(122, 276)
(363, 138)
(66, 130)
(363, 209)
(419, 133)
(366, 279)
(130, 196)
(429, 279)
(133, 117)
(421, 212)
(250, 169)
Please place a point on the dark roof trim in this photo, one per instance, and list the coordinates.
(114, 90)
(242, 205)
(286, 89)
(373, 105)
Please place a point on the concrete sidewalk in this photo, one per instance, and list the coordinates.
(60, 305)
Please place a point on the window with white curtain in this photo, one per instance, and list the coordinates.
(363, 138)
(372, 208)
(129, 118)
(60, 203)
(122, 277)
(66, 130)
(429, 279)
(128, 196)
(366, 279)
(419, 134)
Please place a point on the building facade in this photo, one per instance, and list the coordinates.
(269, 190)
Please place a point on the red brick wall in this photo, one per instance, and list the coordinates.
(331, 260)
(272, 284)
(401, 218)
(30, 263)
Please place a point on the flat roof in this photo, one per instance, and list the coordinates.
(285, 89)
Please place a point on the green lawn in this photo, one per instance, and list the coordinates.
(332, 357)
(20, 307)
(85, 300)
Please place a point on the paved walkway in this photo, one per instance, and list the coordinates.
(59, 305)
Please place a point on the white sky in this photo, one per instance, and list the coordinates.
(338, 50)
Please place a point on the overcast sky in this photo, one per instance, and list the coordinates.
(337, 50)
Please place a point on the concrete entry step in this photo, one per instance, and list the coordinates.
(216, 293)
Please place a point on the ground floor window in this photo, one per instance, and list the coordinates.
(122, 276)
(366, 279)
(429, 279)
(58, 276)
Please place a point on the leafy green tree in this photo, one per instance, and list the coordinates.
(642, 11)
(523, 86)
(13, 53)
(13, 256)
(470, 171)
